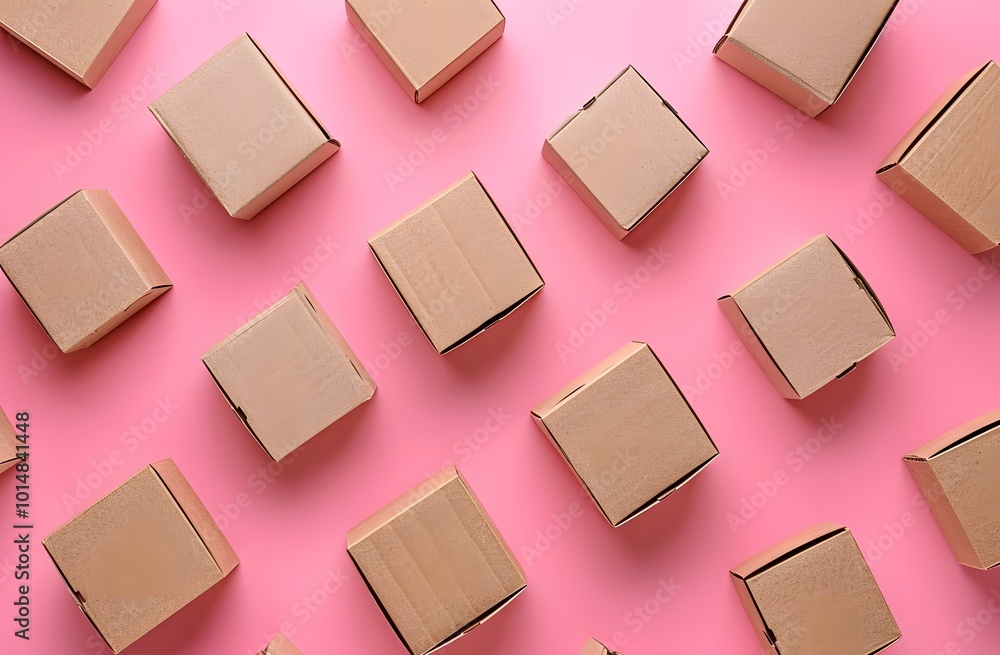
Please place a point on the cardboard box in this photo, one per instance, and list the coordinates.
(82, 37)
(281, 645)
(958, 475)
(805, 52)
(8, 443)
(82, 269)
(456, 264)
(435, 563)
(425, 44)
(624, 152)
(288, 373)
(141, 553)
(948, 164)
(627, 432)
(815, 595)
(809, 319)
(595, 647)
(243, 128)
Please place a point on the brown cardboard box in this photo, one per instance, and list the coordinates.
(456, 264)
(809, 319)
(141, 553)
(243, 128)
(959, 475)
(425, 44)
(627, 432)
(804, 51)
(8, 443)
(595, 647)
(624, 152)
(82, 37)
(281, 645)
(288, 373)
(815, 595)
(948, 164)
(81, 269)
(435, 563)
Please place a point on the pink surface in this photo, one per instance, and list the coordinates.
(141, 394)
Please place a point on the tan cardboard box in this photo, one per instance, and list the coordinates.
(82, 37)
(948, 164)
(809, 319)
(243, 128)
(595, 647)
(624, 152)
(424, 44)
(281, 645)
(141, 553)
(814, 594)
(959, 475)
(435, 563)
(8, 443)
(804, 51)
(288, 373)
(82, 269)
(627, 432)
(456, 264)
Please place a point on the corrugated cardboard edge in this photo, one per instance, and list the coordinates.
(773, 77)
(8, 443)
(441, 350)
(294, 175)
(893, 171)
(546, 407)
(566, 171)
(406, 501)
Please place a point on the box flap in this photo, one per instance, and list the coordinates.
(957, 436)
(786, 549)
(546, 406)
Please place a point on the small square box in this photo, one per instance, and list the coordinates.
(141, 553)
(288, 373)
(82, 270)
(8, 443)
(435, 562)
(456, 264)
(595, 647)
(624, 152)
(959, 476)
(243, 128)
(82, 37)
(948, 164)
(281, 645)
(809, 319)
(805, 52)
(425, 43)
(815, 595)
(627, 432)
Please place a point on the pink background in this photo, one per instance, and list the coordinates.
(585, 578)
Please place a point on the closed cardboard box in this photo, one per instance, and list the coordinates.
(456, 264)
(424, 43)
(809, 319)
(804, 51)
(624, 152)
(82, 37)
(243, 127)
(82, 269)
(959, 476)
(435, 562)
(814, 594)
(627, 432)
(948, 164)
(288, 373)
(141, 553)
